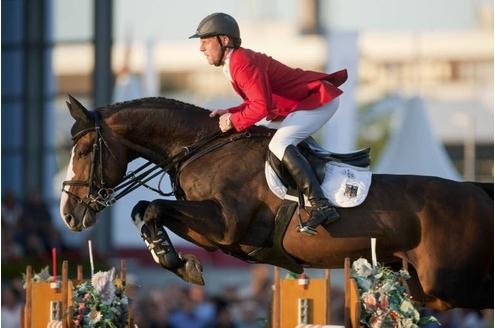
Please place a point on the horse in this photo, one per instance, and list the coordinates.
(442, 228)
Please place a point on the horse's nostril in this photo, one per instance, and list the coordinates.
(70, 221)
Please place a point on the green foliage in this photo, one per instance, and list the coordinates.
(383, 296)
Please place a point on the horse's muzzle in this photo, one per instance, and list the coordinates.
(80, 220)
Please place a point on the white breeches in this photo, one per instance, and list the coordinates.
(299, 125)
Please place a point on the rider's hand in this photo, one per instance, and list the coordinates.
(218, 112)
(224, 122)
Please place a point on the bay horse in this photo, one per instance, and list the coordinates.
(442, 228)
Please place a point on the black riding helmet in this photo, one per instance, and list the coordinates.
(217, 24)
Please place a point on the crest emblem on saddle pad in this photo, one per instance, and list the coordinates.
(344, 185)
(351, 190)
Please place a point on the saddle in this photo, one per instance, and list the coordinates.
(318, 157)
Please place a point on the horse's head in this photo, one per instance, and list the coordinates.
(97, 164)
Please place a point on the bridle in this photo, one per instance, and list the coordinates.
(104, 196)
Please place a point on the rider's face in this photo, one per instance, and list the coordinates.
(212, 50)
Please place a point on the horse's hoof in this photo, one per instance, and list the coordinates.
(191, 270)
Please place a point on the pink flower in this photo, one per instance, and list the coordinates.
(76, 323)
(376, 322)
(369, 301)
(394, 315)
(86, 297)
(82, 306)
(384, 304)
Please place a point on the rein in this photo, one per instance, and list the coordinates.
(105, 197)
(177, 163)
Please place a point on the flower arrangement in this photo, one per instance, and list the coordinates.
(384, 300)
(101, 302)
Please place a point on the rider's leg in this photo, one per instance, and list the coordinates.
(296, 127)
(303, 174)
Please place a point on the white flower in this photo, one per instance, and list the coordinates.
(103, 284)
(387, 287)
(406, 323)
(408, 309)
(404, 274)
(43, 275)
(94, 317)
(124, 300)
(362, 267)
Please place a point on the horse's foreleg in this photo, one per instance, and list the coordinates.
(196, 219)
(158, 242)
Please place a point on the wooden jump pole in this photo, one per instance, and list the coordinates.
(80, 275)
(276, 298)
(352, 305)
(28, 306)
(328, 296)
(65, 294)
(123, 271)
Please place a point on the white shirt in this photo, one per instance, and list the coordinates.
(226, 64)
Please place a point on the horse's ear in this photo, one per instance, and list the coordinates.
(77, 110)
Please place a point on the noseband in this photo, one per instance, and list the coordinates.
(103, 197)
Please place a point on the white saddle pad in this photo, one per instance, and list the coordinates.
(344, 185)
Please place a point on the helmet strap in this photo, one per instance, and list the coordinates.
(219, 62)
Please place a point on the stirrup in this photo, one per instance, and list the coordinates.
(309, 228)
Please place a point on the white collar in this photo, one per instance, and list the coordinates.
(226, 64)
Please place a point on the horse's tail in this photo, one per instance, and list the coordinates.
(486, 186)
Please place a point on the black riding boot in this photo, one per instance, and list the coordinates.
(302, 173)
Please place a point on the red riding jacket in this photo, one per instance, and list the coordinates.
(273, 90)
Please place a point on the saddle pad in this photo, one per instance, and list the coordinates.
(344, 185)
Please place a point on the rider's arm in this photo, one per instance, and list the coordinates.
(254, 83)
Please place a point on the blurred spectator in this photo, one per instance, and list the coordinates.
(11, 249)
(203, 307)
(35, 231)
(156, 310)
(11, 307)
(10, 211)
(255, 298)
(223, 318)
(195, 311)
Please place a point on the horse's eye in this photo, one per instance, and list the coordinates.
(84, 151)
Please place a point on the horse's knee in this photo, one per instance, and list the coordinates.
(153, 211)
(137, 214)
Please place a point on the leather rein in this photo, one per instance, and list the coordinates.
(106, 196)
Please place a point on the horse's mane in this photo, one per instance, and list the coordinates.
(147, 103)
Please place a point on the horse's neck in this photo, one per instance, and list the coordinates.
(163, 132)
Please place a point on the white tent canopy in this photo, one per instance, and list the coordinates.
(414, 148)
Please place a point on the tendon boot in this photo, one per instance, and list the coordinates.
(160, 246)
(158, 242)
(304, 177)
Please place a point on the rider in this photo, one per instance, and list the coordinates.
(274, 91)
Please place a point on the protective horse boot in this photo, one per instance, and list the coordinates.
(304, 177)
(156, 238)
